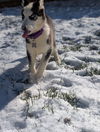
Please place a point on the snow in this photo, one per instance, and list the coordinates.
(67, 98)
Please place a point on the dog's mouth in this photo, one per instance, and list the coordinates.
(29, 34)
(26, 34)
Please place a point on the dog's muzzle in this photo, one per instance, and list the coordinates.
(26, 32)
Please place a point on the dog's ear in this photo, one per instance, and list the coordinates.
(25, 3)
(35, 1)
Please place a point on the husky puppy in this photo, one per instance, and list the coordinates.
(40, 37)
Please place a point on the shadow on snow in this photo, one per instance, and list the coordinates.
(11, 82)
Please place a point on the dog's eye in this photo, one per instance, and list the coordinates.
(33, 17)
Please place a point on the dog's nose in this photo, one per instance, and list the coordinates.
(24, 28)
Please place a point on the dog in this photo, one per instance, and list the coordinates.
(39, 34)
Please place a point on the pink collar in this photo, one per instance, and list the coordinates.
(36, 34)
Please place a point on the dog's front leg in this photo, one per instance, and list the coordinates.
(43, 63)
(31, 60)
(32, 70)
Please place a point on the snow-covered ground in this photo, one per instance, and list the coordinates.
(67, 98)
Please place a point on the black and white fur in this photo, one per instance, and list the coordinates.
(34, 18)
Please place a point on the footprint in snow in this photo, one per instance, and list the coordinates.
(86, 130)
(82, 103)
(20, 125)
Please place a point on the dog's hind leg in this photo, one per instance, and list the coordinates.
(43, 63)
(55, 54)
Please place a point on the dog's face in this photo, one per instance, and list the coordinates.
(33, 16)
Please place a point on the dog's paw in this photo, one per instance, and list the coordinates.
(32, 79)
(38, 76)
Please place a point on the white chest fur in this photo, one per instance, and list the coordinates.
(39, 45)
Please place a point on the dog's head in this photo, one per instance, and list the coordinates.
(33, 16)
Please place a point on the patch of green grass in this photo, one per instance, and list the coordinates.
(49, 106)
(76, 48)
(26, 95)
(81, 66)
(65, 47)
(95, 71)
(92, 71)
(52, 92)
(70, 98)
